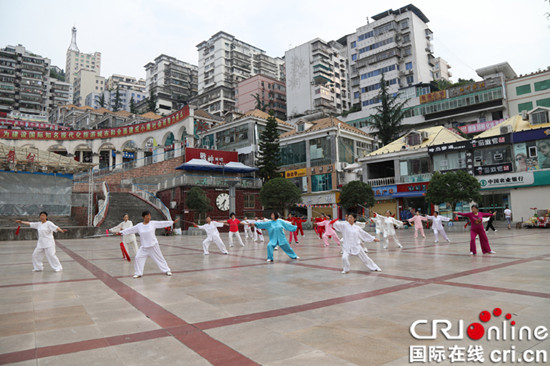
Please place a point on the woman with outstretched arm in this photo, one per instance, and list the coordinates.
(45, 244)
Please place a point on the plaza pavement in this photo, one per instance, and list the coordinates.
(241, 310)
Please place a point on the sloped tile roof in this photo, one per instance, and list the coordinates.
(325, 123)
(518, 124)
(436, 136)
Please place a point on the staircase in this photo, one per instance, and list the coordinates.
(121, 203)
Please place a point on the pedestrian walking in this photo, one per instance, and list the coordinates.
(508, 216)
(490, 222)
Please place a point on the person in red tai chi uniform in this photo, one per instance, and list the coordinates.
(476, 228)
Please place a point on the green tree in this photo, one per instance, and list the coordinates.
(356, 193)
(268, 150)
(453, 187)
(198, 201)
(117, 105)
(389, 115)
(280, 193)
(101, 100)
(259, 104)
(133, 108)
(152, 102)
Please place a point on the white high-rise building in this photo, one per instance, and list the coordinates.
(397, 44)
(224, 61)
(317, 78)
(87, 82)
(77, 60)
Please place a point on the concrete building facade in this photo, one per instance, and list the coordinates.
(526, 92)
(271, 93)
(317, 78)
(224, 61)
(24, 82)
(76, 60)
(174, 82)
(396, 44)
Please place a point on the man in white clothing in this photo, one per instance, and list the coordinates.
(508, 216)
(212, 235)
(437, 226)
(149, 243)
(353, 235)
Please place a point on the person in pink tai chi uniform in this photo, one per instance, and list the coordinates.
(417, 219)
(328, 231)
(476, 228)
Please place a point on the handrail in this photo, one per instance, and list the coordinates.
(103, 209)
(152, 199)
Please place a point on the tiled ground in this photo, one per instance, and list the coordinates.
(241, 310)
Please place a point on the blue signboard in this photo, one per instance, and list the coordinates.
(385, 191)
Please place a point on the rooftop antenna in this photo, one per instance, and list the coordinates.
(73, 46)
(368, 21)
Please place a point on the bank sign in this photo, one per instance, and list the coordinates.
(506, 180)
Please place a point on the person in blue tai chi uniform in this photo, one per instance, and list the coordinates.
(277, 236)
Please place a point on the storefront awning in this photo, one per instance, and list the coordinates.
(408, 194)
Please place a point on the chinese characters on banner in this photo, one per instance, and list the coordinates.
(93, 134)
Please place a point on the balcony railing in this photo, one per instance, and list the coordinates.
(381, 181)
(197, 180)
(416, 178)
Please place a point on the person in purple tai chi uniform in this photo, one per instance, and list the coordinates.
(476, 228)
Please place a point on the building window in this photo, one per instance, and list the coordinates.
(321, 182)
(410, 79)
(538, 118)
(523, 89)
(525, 106)
(319, 151)
(249, 201)
(353, 44)
(542, 85)
(293, 153)
(345, 150)
(354, 57)
(543, 102)
(408, 66)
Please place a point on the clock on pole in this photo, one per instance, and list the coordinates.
(222, 202)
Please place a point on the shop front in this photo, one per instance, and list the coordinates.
(413, 196)
(384, 200)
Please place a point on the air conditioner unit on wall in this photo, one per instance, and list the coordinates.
(424, 135)
(524, 115)
(505, 129)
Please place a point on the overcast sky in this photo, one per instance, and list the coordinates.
(130, 33)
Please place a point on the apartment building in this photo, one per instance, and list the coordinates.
(224, 61)
(174, 82)
(317, 78)
(526, 92)
(269, 92)
(398, 44)
(76, 61)
(24, 82)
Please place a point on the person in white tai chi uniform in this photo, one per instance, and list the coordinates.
(212, 235)
(126, 239)
(149, 243)
(45, 244)
(437, 226)
(351, 243)
(247, 230)
(389, 230)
